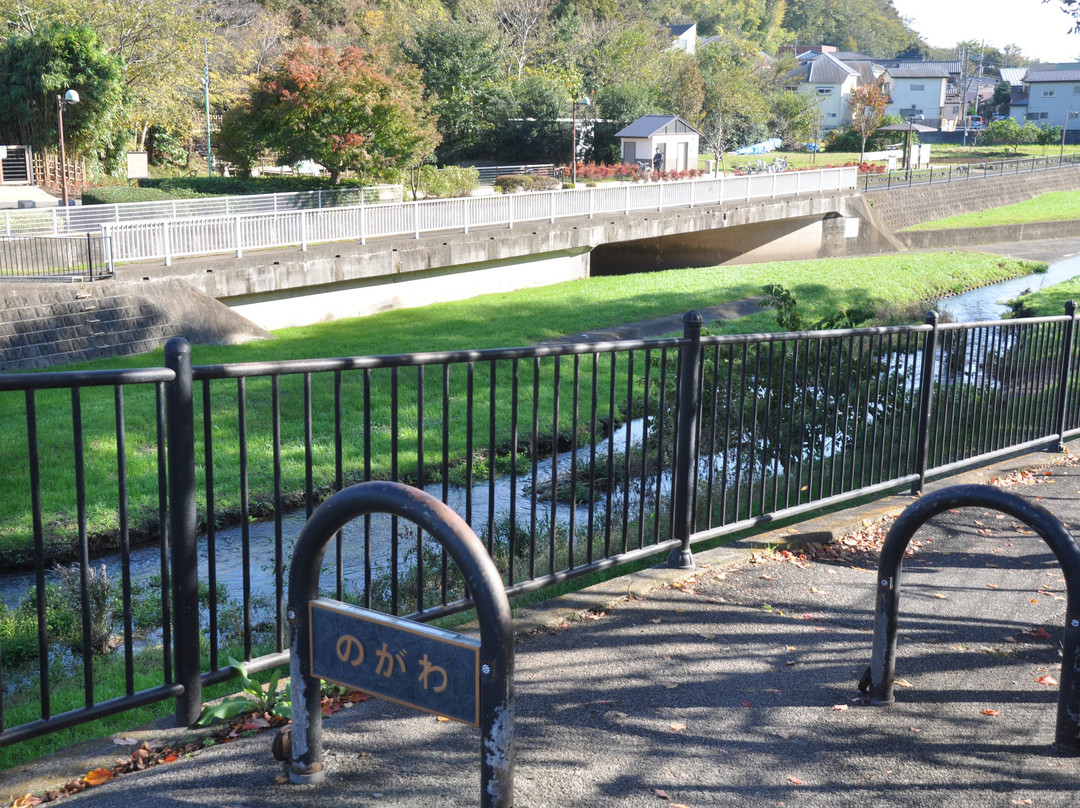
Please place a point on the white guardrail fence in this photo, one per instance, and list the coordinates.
(209, 235)
(83, 219)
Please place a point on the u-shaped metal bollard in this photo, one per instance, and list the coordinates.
(494, 661)
(878, 683)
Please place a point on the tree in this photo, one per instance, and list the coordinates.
(735, 108)
(867, 106)
(460, 65)
(354, 111)
(39, 66)
(1008, 132)
(1072, 8)
(794, 116)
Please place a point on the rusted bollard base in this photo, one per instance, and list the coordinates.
(316, 774)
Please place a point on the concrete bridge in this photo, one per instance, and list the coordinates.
(280, 288)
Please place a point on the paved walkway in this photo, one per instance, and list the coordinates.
(731, 685)
(10, 195)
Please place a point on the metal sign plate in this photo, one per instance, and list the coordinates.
(428, 668)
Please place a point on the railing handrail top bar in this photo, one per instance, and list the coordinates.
(238, 370)
(780, 336)
(1012, 321)
(84, 378)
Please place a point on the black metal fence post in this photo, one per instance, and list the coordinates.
(689, 386)
(1066, 370)
(180, 434)
(926, 393)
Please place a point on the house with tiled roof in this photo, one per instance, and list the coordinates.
(830, 81)
(917, 92)
(1053, 92)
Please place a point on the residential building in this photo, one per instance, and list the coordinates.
(918, 92)
(830, 81)
(1053, 91)
(684, 37)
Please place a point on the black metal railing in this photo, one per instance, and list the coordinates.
(564, 458)
(960, 172)
(32, 257)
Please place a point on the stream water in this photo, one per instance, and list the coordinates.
(977, 305)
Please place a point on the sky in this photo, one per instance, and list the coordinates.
(1040, 29)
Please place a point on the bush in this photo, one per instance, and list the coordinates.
(241, 186)
(119, 194)
(513, 183)
(441, 183)
(541, 182)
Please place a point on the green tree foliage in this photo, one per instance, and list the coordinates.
(793, 117)
(39, 66)
(1008, 132)
(872, 27)
(353, 110)
(735, 108)
(462, 80)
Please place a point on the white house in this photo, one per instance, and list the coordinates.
(917, 91)
(684, 37)
(669, 134)
(830, 81)
(1053, 91)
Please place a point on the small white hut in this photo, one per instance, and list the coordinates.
(669, 134)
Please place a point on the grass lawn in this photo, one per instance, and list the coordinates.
(1051, 207)
(1050, 302)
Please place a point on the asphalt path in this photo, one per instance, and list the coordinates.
(736, 686)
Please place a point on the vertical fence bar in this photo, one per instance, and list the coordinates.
(180, 431)
(1064, 377)
(689, 386)
(926, 389)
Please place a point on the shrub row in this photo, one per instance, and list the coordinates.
(441, 183)
(116, 194)
(239, 186)
(513, 183)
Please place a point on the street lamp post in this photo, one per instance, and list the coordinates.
(1064, 129)
(206, 98)
(583, 102)
(69, 97)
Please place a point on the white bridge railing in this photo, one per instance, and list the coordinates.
(83, 219)
(210, 235)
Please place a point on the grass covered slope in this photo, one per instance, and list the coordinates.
(511, 319)
(1055, 206)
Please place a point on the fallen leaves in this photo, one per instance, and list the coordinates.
(990, 712)
(98, 776)
(841, 707)
(794, 780)
(1048, 680)
(678, 726)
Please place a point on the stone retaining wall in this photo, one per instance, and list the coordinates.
(899, 208)
(47, 324)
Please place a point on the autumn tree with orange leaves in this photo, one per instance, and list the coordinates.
(353, 111)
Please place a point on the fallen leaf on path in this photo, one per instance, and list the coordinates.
(747, 704)
(940, 596)
(678, 726)
(794, 780)
(1041, 633)
(659, 792)
(1022, 802)
(1048, 680)
(442, 719)
(990, 712)
(783, 735)
(841, 707)
(98, 776)
(125, 741)
(281, 779)
(655, 620)
(594, 615)
(170, 759)
(992, 586)
(669, 685)
(902, 683)
(26, 801)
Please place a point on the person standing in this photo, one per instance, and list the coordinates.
(658, 160)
